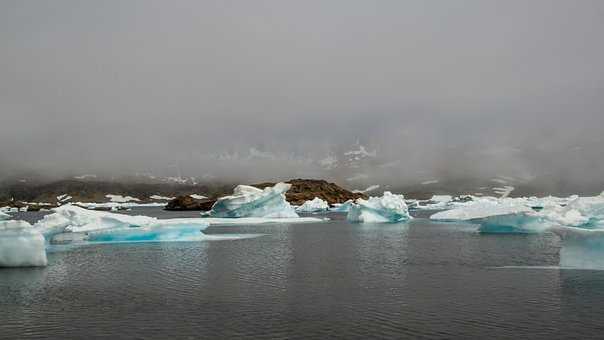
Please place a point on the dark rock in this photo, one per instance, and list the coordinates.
(189, 203)
(303, 190)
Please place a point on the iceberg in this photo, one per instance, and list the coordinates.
(495, 216)
(158, 233)
(513, 223)
(21, 245)
(528, 215)
(315, 205)
(581, 248)
(481, 209)
(4, 216)
(388, 208)
(70, 218)
(248, 201)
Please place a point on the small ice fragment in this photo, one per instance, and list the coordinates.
(21, 245)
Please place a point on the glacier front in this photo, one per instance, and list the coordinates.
(388, 208)
(21, 245)
(248, 201)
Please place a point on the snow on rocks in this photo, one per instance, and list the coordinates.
(121, 199)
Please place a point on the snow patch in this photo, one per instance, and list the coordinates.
(121, 199)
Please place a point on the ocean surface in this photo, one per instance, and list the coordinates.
(322, 280)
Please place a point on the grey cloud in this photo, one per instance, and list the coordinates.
(446, 88)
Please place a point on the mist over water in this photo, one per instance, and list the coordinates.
(260, 90)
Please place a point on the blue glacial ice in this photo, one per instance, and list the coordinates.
(581, 248)
(248, 201)
(315, 205)
(528, 215)
(160, 233)
(480, 209)
(69, 218)
(388, 208)
(21, 245)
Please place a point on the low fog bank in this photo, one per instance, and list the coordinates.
(394, 94)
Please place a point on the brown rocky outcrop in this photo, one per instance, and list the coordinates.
(303, 190)
(189, 203)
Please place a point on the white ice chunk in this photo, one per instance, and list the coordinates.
(69, 218)
(314, 205)
(248, 201)
(581, 248)
(198, 197)
(185, 231)
(4, 216)
(388, 208)
(21, 245)
(480, 209)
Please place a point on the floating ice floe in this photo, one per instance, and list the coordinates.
(581, 248)
(248, 201)
(529, 215)
(314, 205)
(495, 216)
(4, 216)
(118, 206)
(388, 208)
(480, 209)
(21, 245)
(158, 233)
(69, 218)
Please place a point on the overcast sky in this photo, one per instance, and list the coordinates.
(513, 87)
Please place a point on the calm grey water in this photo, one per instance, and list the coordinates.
(323, 280)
